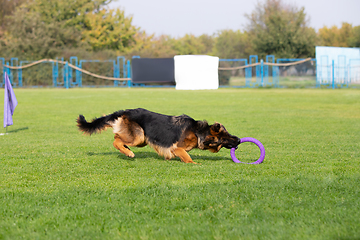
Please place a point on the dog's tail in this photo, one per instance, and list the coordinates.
(97, 124)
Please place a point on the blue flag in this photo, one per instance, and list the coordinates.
(10, 102)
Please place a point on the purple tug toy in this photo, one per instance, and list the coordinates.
(253, 140)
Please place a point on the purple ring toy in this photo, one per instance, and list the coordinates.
(253, 140)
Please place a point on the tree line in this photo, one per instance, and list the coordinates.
(35, 29)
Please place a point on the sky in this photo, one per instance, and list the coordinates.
(178, 18)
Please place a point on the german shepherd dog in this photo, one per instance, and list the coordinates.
(170, 136)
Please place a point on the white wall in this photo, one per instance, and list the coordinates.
(196, 72)
(346, 61)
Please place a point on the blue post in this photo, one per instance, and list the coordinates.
(66, 76)
(266, 71)
(20, 76)
(79, 75)
(3, 63)
(55, 72)
(8, 72)
(128, 73)
(74, 61)
(11, 72)
(256, 68)
(333, 76)
(262, 72)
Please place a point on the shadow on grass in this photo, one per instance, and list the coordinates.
(17, 130)
(155, 155)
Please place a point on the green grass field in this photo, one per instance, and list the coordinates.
(56, 183)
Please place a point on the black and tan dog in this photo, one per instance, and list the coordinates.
(170, 136)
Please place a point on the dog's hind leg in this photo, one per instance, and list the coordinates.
(128, 133)
(119, 145)
(183, 155)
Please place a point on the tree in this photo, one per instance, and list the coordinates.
(43, 28)
(281, 30)
(109, 29)
(32, 38)
(7, 8)
(354, 40)
(69, 12)
(327, 36)
(101, 28)
(232, 44)
(189, 44)
(152, 47)
(208, 42)
(337, 37)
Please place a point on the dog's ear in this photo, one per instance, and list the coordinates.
(216, 127)
(201, 125)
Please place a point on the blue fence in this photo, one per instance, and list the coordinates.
(264, 73)
(339, 73)
(65, 76)
(261, 72)
(261, 75)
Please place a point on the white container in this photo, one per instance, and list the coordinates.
(196, 72)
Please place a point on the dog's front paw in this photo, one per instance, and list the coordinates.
(131, 155)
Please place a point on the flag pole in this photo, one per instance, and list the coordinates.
(2, 134)
(10, 103)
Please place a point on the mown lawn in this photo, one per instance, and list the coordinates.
(56, 183)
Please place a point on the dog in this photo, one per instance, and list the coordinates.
(170, 136)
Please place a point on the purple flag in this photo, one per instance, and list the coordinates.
(10, 102)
